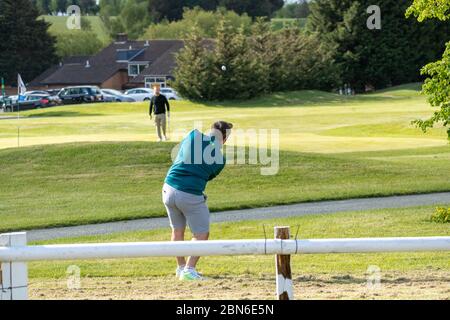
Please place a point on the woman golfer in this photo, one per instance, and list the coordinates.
(199, 161)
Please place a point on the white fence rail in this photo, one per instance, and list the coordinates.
(14, 253)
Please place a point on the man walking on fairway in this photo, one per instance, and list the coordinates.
(200, 160)
(160, 105)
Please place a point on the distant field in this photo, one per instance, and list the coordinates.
(58, 25)
(96, 163)
(324, 276)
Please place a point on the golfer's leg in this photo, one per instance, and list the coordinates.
(198, 218)
(176, 217)
(178, 235)
(164, 126)
(192, 261)
(158, 127)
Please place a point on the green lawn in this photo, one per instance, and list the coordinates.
(96, 163)
(379, 223)
(58, 25)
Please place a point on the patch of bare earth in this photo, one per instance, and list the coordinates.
(412, 285)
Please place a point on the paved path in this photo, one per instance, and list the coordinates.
(295, 210)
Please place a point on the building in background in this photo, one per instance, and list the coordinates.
(122, 65)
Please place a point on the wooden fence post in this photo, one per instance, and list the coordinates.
(13, 275)
(283, 266)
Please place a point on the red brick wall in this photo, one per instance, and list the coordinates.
(117, 81)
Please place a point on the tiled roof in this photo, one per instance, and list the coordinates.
(104, 65)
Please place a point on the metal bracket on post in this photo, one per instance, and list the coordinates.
(283, 266)
(13, 275)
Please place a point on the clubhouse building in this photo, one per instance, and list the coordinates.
(124, 64)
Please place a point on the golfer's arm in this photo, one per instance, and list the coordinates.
(167, 105)
(151, 107)
(216, 174)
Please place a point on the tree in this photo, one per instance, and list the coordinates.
(295, 10)
(436, 86)
(111, 8)
(254, 8)
(77, 43)
(26, 47)
(172, 10)
(205, 22)
(378, 58)
(43, 6)
(58, 5)
(192, 76)
(220, 71)
(133, 17)
(88, 6)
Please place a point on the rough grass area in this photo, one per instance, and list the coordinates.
(77, 184)
(325, 276)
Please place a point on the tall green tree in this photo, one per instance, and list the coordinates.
(233, 66)
(26, 47)
(193, 76)
(132, 19)
(379, 58)
(437, 84)
(43, 6)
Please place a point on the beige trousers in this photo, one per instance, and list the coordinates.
(161, 125)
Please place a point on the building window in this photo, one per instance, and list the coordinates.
(136, 69)
(156, 80)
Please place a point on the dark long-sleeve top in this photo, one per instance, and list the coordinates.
(159, 104)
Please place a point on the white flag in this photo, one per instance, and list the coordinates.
(21, 86)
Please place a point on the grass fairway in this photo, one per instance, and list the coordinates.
(332, 147)
(406, 275)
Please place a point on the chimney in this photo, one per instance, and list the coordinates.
(88, 65)
(147, 43)
(122, 38)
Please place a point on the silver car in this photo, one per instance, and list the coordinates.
(111, 95)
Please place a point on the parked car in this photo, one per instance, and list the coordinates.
(140, 94)
(170, 94)
(54, 92)
(81, 94)
(111, 95)
(27, 103)
(30, 93)
(46, 99)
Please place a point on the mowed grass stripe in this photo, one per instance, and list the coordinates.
(61, 185)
